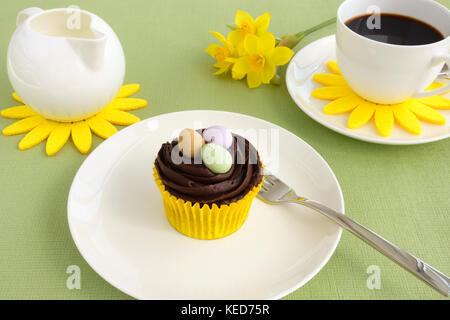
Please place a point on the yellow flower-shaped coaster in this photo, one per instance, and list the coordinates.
(407, 114)
(57, 134)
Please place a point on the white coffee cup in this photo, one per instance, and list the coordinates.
(388, 73)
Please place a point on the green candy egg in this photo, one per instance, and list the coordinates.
(216, 158)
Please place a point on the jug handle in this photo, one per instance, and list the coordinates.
(26, 13)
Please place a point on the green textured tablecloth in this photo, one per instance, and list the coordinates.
(402, 192)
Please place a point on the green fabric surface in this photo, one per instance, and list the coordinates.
(401, 192)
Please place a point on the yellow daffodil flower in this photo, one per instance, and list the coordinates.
(250, 50)
(247, 25)
(260, 59)
(221, 53)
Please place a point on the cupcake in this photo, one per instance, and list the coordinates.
(208, 179)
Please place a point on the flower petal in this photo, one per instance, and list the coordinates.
(331, 93)
(221, 71)
(82, 136)
(241, 49)
(235, 37)
(425, 113)
(384, 120)
(333, 66)
(58, 138)
(240, 68)
(268, 72)
(211, 49)
(222, 40)
(436, 102)
(251, 44)
(118, 117)
(281, 55)
(37, 135)
(343, 105)
(361, 115)
(267, 42)
(128, 90)
(262, 23)
(242, 16)
(19, 112)
(17, 98)
(231, 60)
(406, 119)
(328, 79)
(222, 64)
(23, 125)
(254, 79)
(101, 127)
(127, 104)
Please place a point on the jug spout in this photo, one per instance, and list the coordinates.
(90, 51)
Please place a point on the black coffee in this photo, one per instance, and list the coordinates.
(395, 29)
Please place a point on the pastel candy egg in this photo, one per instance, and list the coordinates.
(190, 143)
(219, 135)
(216, 158)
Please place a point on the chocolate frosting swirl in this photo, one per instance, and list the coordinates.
(190, 180)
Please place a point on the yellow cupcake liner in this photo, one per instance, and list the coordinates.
(207, 222)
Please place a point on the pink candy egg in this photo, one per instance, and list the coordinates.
(219, 135)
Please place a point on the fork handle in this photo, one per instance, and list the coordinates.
(417, 267)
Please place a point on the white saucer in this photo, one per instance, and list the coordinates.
(117, 220)
(312, 59)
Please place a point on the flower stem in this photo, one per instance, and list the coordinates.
(291, 40)
(304, 33)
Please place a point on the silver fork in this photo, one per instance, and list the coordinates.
(275, 191)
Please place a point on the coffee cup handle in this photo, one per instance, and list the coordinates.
(429, 93)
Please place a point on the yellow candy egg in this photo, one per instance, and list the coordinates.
(190, 143)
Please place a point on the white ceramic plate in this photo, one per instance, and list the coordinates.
(312, 59)
(117, 219)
